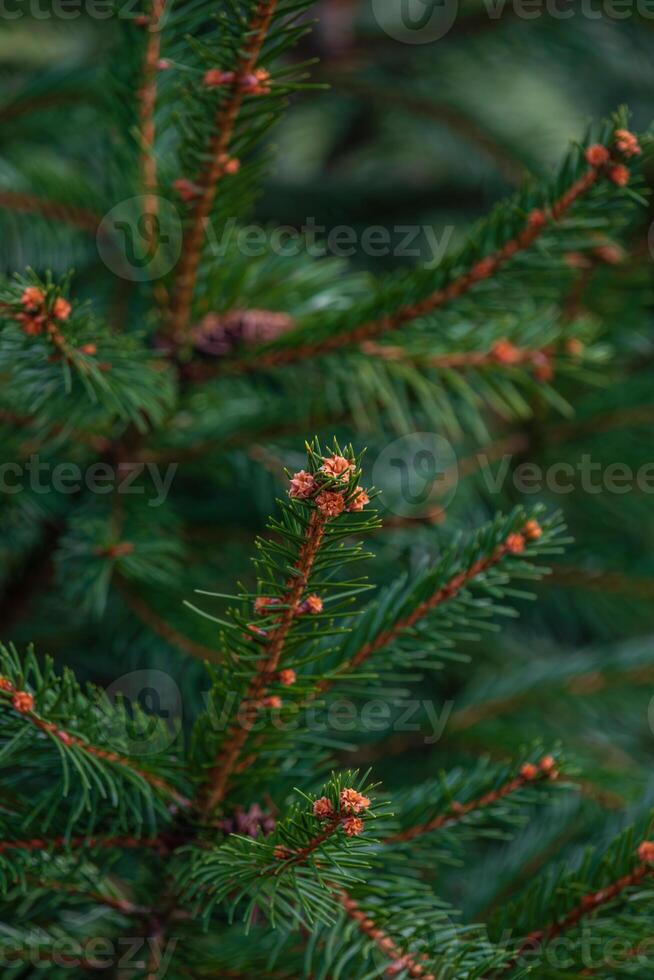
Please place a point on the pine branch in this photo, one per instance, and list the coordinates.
(147, 97)
(514, 544)
(400, 962)
(52, 210)
(23, 704)
(252, 703)
(588, 905)
(90, 843)
(529, 774)
(537, 221)
(216, 154)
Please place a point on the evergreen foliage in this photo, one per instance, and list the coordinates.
(374, 768)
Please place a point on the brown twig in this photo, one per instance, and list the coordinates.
(537, 221)
(69, 214)
(266, 667)
(458, 811)
(219, 145)
(401, 962)
(147, 97)
(445, 593)
(587, 906)
(50, 728)
(57, 843)
(122, 905)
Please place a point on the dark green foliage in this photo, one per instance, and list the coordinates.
(499, 747)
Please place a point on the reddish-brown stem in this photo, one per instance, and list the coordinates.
(588, 904)
(458, 811)
(122, 905)
(266, 667)
(301, 855)
(460, 360)
(147, 97)
(219, 145)
(49, 728)
(114, 757)
(446, 592)
(57, 843)
(401, 962)
(80, 218)
(537, 221)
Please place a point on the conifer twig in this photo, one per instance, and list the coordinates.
(147, 103)
(445, 593)
(23, 703)
(528, 775)
(401, 962)
(219, 145)
(69, 214)
(122, 905)
(587, 906)
(487, 267)
(301, 855)
(266, 667)
(503, 353)
(57, 843)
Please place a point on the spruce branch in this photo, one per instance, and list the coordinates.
(318, 846)
(116, 903)
(299, 573)
(502, 354)
(401, 962)
(62, 842)
(267, 666)
(414, 297)
(528, 776)
(642, 868)
(23, 704)
(216, 154)
(106, 783)
(147, 97)
(69, 214)
(484, 269)
(587, 906)
(518, 539)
